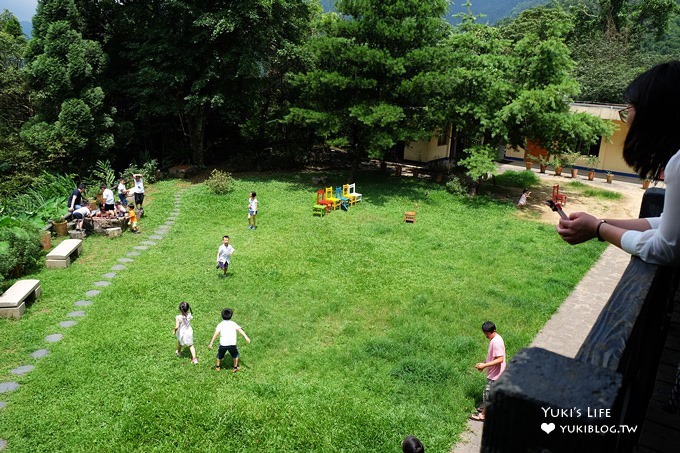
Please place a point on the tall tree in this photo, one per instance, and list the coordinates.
(71, 125)
(544, 86)
(364, 90)
(185, 67)
(16, 162)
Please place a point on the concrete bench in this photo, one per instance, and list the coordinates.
(60, 257)
(13, 301)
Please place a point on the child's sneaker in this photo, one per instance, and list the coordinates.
(177, 354)
(217, 368)
(235, 369)
(194, 361)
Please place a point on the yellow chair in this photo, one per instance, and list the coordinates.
(335, 202)
(346, 193)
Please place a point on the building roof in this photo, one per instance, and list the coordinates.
(604, 111)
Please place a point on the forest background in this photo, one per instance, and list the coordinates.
(103, 88)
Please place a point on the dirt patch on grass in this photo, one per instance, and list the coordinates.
(628, 206)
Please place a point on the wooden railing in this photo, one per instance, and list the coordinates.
(597, 400)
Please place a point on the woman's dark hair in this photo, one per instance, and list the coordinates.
(227, 313)
(184, 307)
(654, 135)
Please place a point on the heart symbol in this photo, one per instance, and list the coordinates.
(548, 427)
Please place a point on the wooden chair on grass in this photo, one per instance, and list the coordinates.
(346, 193)
(410, 216)
(335, 202)
(352, 190)
(557, 197)
(322, 206)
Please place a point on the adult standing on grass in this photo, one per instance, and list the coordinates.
(224, 253)
(652, 146)
(252, 211)
(227, 331)
(494, 364)
(139, 192)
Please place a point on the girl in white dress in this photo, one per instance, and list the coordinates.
(184, 332)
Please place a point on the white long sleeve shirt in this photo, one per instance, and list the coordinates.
(661, 243)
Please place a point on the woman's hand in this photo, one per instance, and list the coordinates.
(580, 227)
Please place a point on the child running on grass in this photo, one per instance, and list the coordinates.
(224, 255)
(133, 219)
(184, 331)
(227, 331)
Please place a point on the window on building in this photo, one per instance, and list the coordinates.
(441, 138)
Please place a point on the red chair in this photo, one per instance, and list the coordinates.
(321, 200)
(557, 197)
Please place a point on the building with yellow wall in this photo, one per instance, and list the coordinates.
(609, 152)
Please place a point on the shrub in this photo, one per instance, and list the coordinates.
(45, 199)
(220, 182)
(149, 170)
(457, 186)
(513, 178)
(20, 249)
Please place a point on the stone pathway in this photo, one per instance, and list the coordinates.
(7, 387)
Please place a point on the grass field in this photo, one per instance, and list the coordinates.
(364, 329)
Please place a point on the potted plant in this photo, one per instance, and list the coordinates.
(60, 226)
(569, 159)
(645, 183)
(610, 176)
(557, 162)
(543, 161)
(528, 161)
(593, 162)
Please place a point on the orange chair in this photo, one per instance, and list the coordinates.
(557, 197)
(410, 216)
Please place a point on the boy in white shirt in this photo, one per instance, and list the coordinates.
(227, 331)
(224, 255)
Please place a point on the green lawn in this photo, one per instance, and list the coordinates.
(364, 329)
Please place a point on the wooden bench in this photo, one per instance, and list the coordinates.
(60, 257)
(13, 301)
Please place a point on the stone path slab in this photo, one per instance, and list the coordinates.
(92, 293)
(109, 275)
(40, 353)
(118, 267)
(102, 283)
(83, 303)
(19, 371)
(76, 314)
(125, 260)
(6, 387)
(67, 323)
(53, 338)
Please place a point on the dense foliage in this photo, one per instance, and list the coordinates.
(259, 84)
(20, 250)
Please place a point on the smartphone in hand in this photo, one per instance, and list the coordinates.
(557, 208)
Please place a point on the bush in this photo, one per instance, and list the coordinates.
(45, 199)
(20, 249)
(513, 178)
(457, 186)
(220, 182)
(149, 170)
